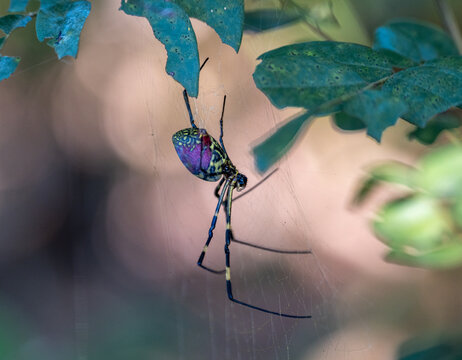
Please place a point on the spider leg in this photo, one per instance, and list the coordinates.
(221, 125)
(228, 266)
(186, 100)
(217, 189)
(212, 227)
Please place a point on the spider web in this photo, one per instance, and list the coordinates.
(133, 289)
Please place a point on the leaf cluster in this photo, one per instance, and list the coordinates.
(412, 71)
(58, 21)
(424, 227)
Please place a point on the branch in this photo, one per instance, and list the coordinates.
(450, 22)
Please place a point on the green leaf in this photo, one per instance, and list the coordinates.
(170, 23)
(392, 172)
(418, 41)
(10, 22)
(446, 256)
(347, 122)
(377, 109)
(417, 222)
(274, 147)
(18, 5)
(2, 40)
(429, 89)
(7, 66)
(226, 17)
(457, 210)
(267, 19)
(171, 26)
(61, 21)
(313, 73)
(434, 127)
(441, 172)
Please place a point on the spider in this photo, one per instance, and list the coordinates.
(207, 159)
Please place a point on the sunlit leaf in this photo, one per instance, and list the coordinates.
(273, 148)
(418, 41)
(18, 5)
(7, 66)
(266, 19)
(417, 222)
(434, 127)
(10, 22)
(392, 172)
(377, 109)
(170, 23)
(61, 21)
(347, 122)
(457, 210)
(446, 256)
(441, 171)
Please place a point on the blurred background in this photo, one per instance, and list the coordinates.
(102, 225)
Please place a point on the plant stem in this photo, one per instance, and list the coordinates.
(450, 22)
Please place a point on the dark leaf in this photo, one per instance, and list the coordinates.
(18, 5)
(7, 66)
(266, 19)
(347, 122)
(273, 148)
(10, 22)
(377, 109)
(434, 127)
(418, 41)
(61, 21)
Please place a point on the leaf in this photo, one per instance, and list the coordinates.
(10, 22)
(273, 148)
(392, 172)
(267, 19)
(324, 76)
(434, 127)
(441, 172)
(2, 40)
(313, 73)
(446, 256)
(416, 222)
(457, 210)
(18, 5)
(170, 23)
(61, 21)
(347, 122)
(429, 89)
(7, 66)
(418, 41)
(377, 109)
(226, 17)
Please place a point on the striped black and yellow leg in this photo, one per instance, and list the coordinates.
(228, 264)
(212, 227)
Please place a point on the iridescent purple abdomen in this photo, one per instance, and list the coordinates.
(200, 153)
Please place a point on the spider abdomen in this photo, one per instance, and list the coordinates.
(200, 153)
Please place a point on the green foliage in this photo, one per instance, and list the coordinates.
(61, 22)
(18, 5)
(423, 228)
(268, 19)
(440, 123)
(171, 26)
(7, 66)
(10, 22)
(414, 40)
(372, 87)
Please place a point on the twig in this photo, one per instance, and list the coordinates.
(450, 22)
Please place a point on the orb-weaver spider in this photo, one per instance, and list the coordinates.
(207, 159)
